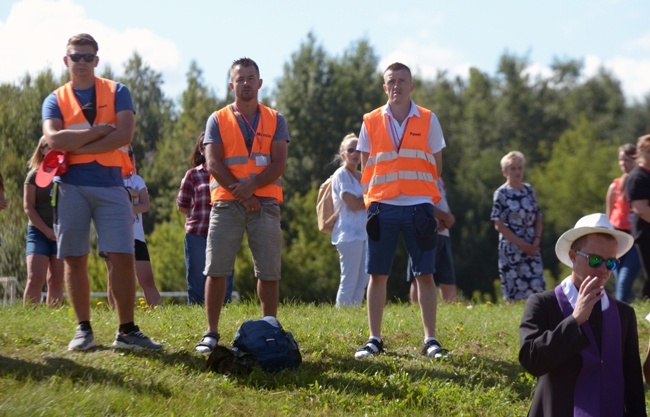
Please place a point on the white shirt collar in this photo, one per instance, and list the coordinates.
(412, 112)
(571, 293)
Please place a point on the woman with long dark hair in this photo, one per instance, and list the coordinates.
(193, 200)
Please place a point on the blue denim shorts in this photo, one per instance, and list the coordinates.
(38, 243)
(393, 220)
(444, 263)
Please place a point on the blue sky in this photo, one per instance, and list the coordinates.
(427, 35)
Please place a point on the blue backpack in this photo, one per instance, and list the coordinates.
(274, 348)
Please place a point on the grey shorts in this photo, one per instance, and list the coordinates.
(228, 222)
(109, 208)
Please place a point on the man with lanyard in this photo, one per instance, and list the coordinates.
(246, 154)
(92, 119)
(401, 159)
(581, 343)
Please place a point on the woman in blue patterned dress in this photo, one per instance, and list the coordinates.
(518, 220)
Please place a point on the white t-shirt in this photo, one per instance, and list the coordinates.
(350, 225)
(435, 139)
(135, 182)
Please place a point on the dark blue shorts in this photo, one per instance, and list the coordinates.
(38, 243)
(394, 220)
(443, 263)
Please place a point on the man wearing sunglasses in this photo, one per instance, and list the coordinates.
(92, 119)
(581, 343)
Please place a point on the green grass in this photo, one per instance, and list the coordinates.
(482, 377)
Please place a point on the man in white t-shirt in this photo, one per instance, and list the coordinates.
(401, 158)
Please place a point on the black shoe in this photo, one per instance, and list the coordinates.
(372, 347)
(433, 350)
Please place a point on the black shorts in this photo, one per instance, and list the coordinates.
(141, 251)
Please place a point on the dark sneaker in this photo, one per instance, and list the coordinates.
(135, 340)
(433, 350)
(372, 347)
(82, 340)
(208, 342)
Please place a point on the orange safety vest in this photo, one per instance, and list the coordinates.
(409, 171)
(73, 118)
(236, 157)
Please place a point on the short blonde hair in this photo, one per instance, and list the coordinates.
(512, 157)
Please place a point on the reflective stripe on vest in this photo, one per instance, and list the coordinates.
(236, 157)
(411, 171)
(74, 119)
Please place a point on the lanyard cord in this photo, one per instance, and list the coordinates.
(250, 126)
(398, 145)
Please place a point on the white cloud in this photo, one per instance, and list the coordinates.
(535, 70)
(36, 32)
(632, 73)
(640, 44)
(426, 59)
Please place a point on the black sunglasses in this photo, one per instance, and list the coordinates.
(351, 150)
(86, 57)
(595, 261)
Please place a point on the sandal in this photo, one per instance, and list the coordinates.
(208, 342)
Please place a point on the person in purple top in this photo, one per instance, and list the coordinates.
(580, 342)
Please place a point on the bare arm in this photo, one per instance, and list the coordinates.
(68, 140)
(445, 219)
(144, 205)
(353, 203)
(216, 167)
(29, 206)
(122, 135)
(183, 210)
(609, 200)
(364, 160)
(244, 190)
(642, 209)
(512, 237)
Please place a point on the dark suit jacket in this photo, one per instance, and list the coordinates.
(550, 350)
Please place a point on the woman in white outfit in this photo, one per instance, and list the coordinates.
(349, 234)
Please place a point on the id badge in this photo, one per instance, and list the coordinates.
(260, 161)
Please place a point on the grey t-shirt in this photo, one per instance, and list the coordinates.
(213, 135)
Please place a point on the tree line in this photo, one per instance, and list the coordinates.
(568, 125)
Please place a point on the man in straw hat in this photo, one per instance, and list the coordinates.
(581, 343)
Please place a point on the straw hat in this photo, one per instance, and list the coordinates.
(592, 223)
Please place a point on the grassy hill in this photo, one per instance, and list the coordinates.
(482, 377)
